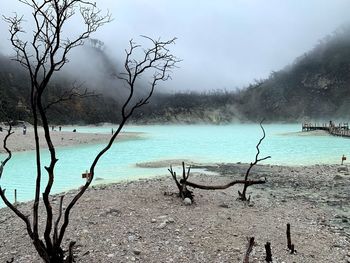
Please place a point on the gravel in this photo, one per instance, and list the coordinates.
(145, 221)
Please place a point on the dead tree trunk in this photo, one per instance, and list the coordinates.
(290, 245)
(183, 183)
(243, 194)
(42, 57)
(249, 250)
(183, 191)
(222, 187)
(268, 252)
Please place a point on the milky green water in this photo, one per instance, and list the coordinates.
(199, 143)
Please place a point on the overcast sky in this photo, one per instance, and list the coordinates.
(224, 44)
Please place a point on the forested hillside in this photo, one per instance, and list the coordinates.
(315, 86)
(94, 108)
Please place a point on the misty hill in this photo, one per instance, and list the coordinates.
(15, 89)
(315, 86)
(210, 107)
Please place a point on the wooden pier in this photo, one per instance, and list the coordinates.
(341, 129)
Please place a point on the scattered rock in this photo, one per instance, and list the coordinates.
(148, 227)
(343, 168)
(170, 220)
(137, 251)
(338, 177)
(112, 212)
(187, 201)
(99, 179)
(162, 225)
(131, 238)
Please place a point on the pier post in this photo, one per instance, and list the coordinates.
(15, 196)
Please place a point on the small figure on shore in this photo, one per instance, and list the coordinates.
(24, 130)
(74, 130)
(112, 131)
(60, 128)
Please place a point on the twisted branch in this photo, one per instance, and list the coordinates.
(157, 59)
(242, 195)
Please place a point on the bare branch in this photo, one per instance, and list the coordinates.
(134, 69)
(181, 185)
(222, 187)
(156, 59)
(249, 250)
(70, 94)
(45, 54)
(2, 191)
(55, 234)
(242, 195)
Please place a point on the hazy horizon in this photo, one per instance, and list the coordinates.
(224, 45)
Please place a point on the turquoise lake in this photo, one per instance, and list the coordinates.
(199, 143)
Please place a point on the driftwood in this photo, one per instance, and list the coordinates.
(183, 183)
(290, 245)
(268, 252)
(183, 191)
(222, 187)
(249, 250)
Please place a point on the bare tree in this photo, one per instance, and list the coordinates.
(183, 183)
(243, 195)
(42, 57)
(184, 192)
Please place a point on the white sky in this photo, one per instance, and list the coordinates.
(225, 43)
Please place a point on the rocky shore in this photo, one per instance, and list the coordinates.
(145, 221)
(19, 142)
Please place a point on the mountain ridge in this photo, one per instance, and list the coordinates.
(316, 86)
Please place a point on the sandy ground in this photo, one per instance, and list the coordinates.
(19, 142)
(145, 221)
(307, 133)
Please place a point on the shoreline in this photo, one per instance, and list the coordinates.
(18, 142)
(145, 221)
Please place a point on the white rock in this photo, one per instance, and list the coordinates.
(131, 238)
(162, 225)
(187, 201)
(170, 220)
